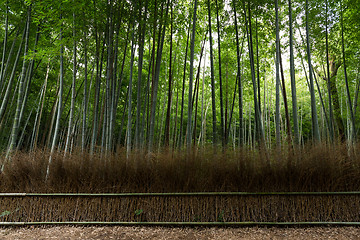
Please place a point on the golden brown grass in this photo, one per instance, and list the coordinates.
(313, 168)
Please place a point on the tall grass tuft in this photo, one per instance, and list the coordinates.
(312, 168)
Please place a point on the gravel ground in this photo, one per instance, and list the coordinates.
(178, 233)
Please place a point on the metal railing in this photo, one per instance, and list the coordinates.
(176, 194)
(183, 223)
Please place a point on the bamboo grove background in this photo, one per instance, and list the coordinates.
(104, 76)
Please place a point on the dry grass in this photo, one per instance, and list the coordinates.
(314, 168)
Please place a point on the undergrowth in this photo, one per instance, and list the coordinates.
(311, 168)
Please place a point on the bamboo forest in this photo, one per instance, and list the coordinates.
(165, 95)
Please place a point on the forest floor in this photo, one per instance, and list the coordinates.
(187, 233)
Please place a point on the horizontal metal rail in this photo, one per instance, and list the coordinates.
(185, 223)
(175, 194)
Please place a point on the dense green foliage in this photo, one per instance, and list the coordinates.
(123, 56)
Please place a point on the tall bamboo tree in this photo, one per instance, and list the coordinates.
(192, 53)
(183, 89)
(277, 63)
(59, 102)
(5, 43)
(162, 29)
(238, 52)
(331, 118)
(222, 116)
(258, 121)
(292, 76)
(315, 124)
(20, 99)
(167, 122)
(352, 118)
(73, 87)
(6, 96)
(142, 29)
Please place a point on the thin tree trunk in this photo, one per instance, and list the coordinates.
(5, 42)
(121, 72)
(213, 102)
(293, 82)
(350, 108)
(238, 56)
(28, 77)
(167, 122)
(226, 103)
(85, 100)
(123, 118)
(257, 61)
(202, 106)
(146, 109)
(190, 107)
(231, 112)
(287, 117)
(59, 110)
(160, 122)
(6, 97)
(321, 101)
(258, 120)
(334, 66)
(72, 105)
(128, 136)
(97, 93)
(156, 79)
(153, 66)
(277, 63)
(315, 124)
(20, 99)
(22, 135)
(356, 93)
(109, 80)
(173, 133)
(197, 86)
(331, 113)
(49, 125)
(174, 136)
(9, 58)
(222, 117)
(39, 112)
(142, 30)
(183, 89)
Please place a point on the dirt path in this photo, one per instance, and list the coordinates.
(178, 233)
